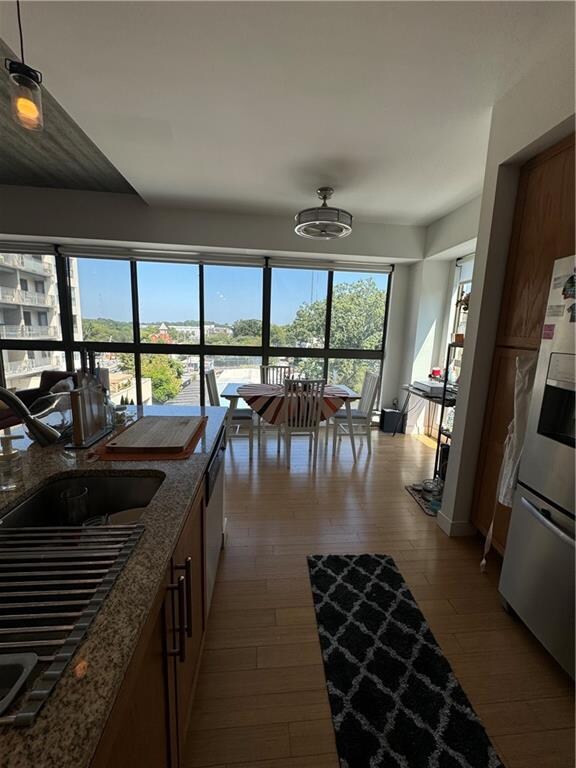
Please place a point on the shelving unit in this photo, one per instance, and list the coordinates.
(448, 400)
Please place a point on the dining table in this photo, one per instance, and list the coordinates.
(267, 401)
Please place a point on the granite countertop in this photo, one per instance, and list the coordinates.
(69, 726)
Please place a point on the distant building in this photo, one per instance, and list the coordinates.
(211, 330)
(123, 387)
(29, 309)
(163, 335)
(193, 331)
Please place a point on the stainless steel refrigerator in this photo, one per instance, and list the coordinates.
(537, 579)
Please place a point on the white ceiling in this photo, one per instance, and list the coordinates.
(251, 106)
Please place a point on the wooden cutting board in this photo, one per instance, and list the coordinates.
(156, 434)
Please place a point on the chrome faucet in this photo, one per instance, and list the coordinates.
(44, 434)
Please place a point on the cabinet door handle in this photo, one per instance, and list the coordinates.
(180, 651)
(187, 568)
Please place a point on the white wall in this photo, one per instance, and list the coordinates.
(454, 235)
(417, 330)
(536, 113)
(420, 308)
(392, 375)
(98, 217)
(449, 310)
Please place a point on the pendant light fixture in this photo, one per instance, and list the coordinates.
(323, 222)
(25, 91)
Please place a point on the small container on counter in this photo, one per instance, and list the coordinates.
(11, 472)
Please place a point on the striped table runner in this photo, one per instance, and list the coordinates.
(267, 400)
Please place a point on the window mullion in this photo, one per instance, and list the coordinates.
(328, 321)
(136, 329)
(266, 301)
(62, 265)
(201, 339)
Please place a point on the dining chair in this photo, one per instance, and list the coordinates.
(361, 416)
(241, 417)
(302, 411)
(274, 374)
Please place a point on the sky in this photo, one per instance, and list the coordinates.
(169, 292)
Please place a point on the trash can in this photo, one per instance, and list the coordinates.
(389, 419)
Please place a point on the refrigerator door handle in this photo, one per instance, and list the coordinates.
(544, 518)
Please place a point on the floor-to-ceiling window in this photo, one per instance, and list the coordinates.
(169, 314)
(105, 301)
(232, 306)
(233, 323)
(357, 322)
(298, 308)
(158, 326)
(323, 319)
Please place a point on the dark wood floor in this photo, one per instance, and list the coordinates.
(261, 700)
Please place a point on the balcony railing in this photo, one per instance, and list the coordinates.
(37, 299)
(28, 366)
(9, 295)
(31, 264)
(27, 332)
(9, 259)
(30, 298)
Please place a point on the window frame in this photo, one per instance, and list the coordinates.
(137, 348)
(458, 311)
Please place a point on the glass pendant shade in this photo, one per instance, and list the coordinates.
(26, 101)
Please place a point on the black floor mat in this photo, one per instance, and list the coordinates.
(394, 698)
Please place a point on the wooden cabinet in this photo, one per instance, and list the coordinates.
(148, 722)
(139, 729)
(543, 231)
(188, 560)
(499, 413)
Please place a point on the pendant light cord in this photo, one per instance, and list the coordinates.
(20, 31)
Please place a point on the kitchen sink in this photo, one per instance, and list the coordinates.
(61, 551)
(85, 500)
(14, 670)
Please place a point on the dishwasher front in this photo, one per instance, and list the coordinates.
(214, 520)
(537, 579)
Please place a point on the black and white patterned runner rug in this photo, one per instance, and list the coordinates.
(394, 698)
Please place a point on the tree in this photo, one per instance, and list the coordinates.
(357, 315)
(356, 323)
(247, 328)
(125, 362)
(104, 329)
(278, 335)
(220, 339)
(308, 327)
(165, 374)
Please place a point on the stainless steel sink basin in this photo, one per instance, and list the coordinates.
(85, 500)
(14, 670)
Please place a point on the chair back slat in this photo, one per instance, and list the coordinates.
(303, 402)
(368, 393)
(212, 388)
(276, 374)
